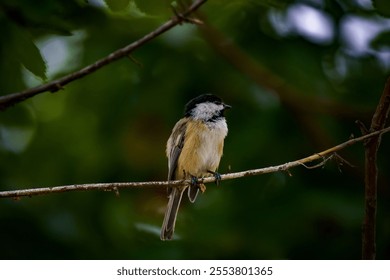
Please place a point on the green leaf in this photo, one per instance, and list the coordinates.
(47, 17)
(117, 5)
(26, 52)
(382, 41)
(382, 6)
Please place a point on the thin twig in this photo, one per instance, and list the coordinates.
(53, 86)
(229, 176)
(321, 164)
(371, 174)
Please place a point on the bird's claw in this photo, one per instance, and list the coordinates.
(217, 177)
(194, 181)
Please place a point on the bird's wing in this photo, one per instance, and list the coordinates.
(176, 146)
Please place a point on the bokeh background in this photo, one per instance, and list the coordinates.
(297, 73)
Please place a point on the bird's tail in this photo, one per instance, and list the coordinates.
(168, 226)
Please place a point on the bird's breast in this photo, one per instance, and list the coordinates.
(203, 147)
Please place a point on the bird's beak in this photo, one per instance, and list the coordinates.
(225, 106)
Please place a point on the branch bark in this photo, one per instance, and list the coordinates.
(53, 86)
(323, 156)
(371, 175)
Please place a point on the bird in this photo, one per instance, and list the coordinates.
(194, 150)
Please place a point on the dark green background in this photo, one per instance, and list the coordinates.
(112, 126)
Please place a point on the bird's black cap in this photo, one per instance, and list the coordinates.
(208, 97)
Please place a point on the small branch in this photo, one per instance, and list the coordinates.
(116, 186)
(371, 174)
(53, 86)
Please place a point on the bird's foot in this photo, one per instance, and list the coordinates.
(194, 181)
(217, 177)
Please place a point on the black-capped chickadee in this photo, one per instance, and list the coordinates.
(194, 150)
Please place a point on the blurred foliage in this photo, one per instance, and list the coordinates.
(382, 6)
(113, 125)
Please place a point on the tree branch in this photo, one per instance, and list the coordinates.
(371, 174)
(53, 86)
(324, 156)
